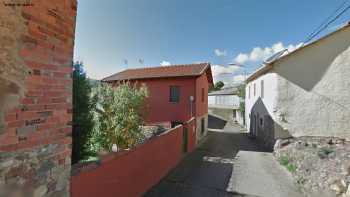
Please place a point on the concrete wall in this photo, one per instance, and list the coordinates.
(134, 172)
(313, 86)
(36, 52)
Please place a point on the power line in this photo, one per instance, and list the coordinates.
(325, 25)
(327, 19)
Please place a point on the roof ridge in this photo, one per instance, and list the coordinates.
(173, 65)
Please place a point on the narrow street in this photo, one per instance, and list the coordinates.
(227, 163)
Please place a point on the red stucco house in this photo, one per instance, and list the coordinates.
(177, 93)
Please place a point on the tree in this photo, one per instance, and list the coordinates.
(217, 86)
(118, 115)
(241, 94)
(83, 106)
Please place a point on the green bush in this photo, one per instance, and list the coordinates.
(118, 116)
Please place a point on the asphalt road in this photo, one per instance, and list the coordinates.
(227, 164)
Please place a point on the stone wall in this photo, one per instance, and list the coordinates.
(36, 52)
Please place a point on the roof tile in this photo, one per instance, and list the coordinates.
(185, 70)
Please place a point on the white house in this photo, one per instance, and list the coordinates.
(226, 104)
(303, 93)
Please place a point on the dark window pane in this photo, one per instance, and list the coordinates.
(174, 94)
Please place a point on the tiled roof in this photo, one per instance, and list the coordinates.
(186, 70)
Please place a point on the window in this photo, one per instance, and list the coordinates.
(254, 89)
(174, 94)
(203, 95)
(202, 125)
(262, 89)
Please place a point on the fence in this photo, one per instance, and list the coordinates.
(133, 172)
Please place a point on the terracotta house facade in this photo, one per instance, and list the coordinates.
(176, 93)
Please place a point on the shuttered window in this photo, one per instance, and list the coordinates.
(174, 94)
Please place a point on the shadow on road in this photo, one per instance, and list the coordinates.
(216, 122)
(207, 170)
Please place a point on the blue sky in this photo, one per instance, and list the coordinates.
(187, 31)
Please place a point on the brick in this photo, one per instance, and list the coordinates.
(59, 100)
(26, 131)
(27, 115)
(11, 117)
(18, 123)
(27, 101)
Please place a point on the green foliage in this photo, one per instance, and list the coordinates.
(217, 86)
(82, 112)
(118, 116)
(284, 161)
(291, 168)
(241, 94)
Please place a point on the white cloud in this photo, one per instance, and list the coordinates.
(259, 54)
(220, 53)
(165, 63)
(220, 70)
(241, 58)
(238, 79)
(231, 80)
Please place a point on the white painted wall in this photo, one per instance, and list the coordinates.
(269, 99)
(224, 101)
(239, 117)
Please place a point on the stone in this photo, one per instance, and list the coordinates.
(346, 168)
(277, 145)
(62, 181)
(25, 131)
(347, 194)
(338, 187)
(7, 163)
(40, 191)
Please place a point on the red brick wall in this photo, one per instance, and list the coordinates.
(37, 91)
(131, 173)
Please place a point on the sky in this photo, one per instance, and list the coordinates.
(113, 35)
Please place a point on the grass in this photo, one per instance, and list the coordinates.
(284, 161)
